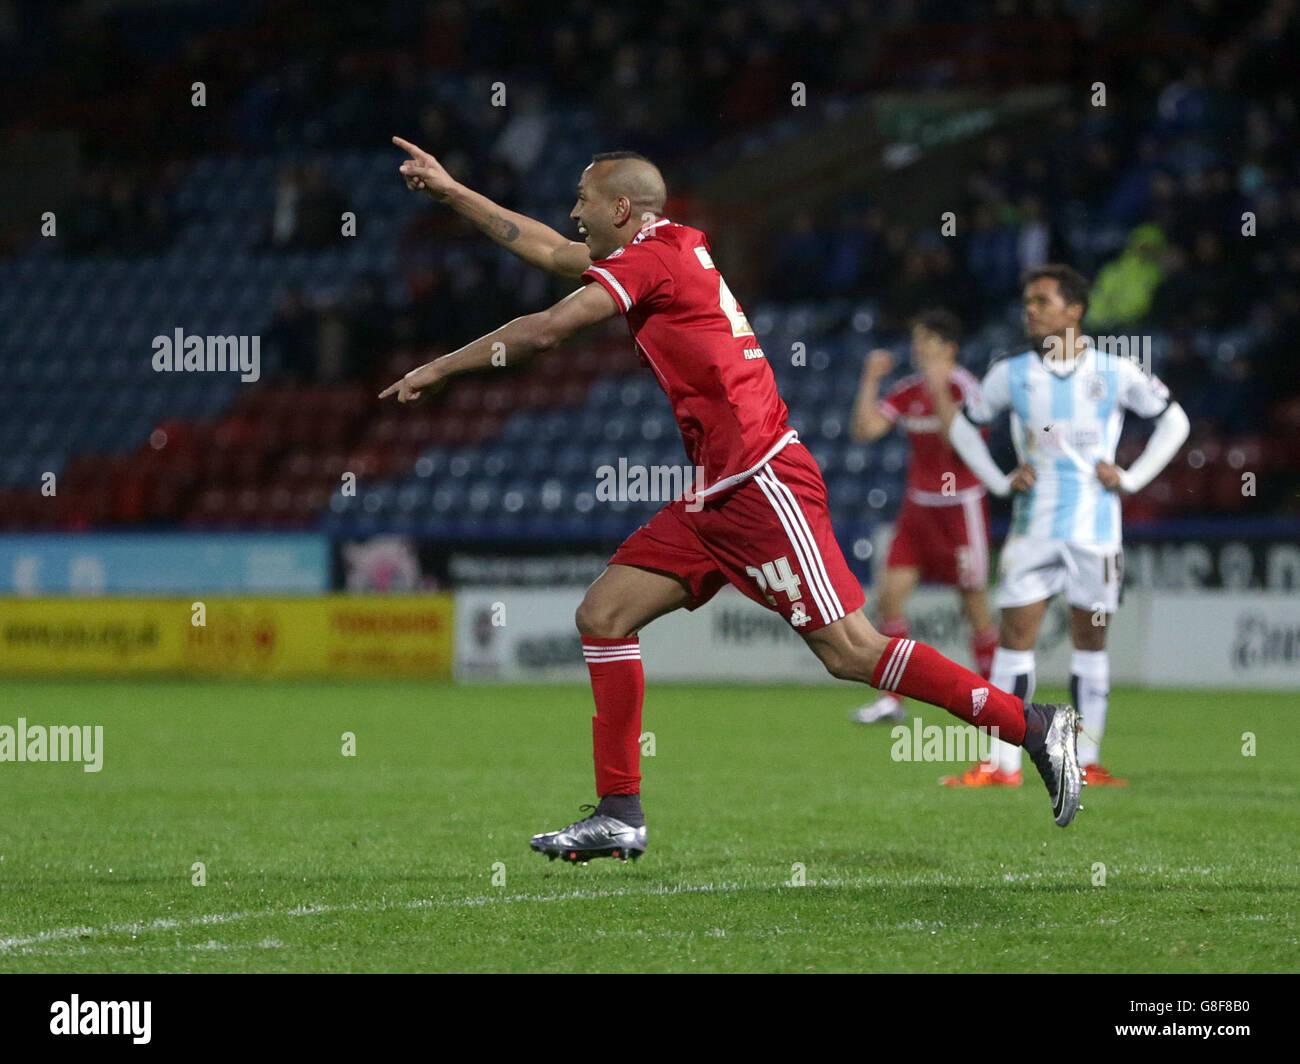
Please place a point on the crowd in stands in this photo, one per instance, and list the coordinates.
(1180, 196)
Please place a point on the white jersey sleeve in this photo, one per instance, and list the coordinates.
(993, 395)
(1139, 391)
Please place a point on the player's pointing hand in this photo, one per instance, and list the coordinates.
(423, 172)
(410, 388)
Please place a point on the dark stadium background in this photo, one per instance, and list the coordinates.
(326, 644)
(224, 219)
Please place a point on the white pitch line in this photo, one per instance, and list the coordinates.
(66, 934)
(581, 894)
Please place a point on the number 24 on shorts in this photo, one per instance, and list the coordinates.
(776, 576)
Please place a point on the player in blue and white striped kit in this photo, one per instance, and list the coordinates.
(1067, 401)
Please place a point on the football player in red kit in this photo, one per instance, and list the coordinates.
(942, 531)
(760, 521)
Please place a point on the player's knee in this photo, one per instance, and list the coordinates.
(1090, 637)
(854, 651)
(1016, 633)
(845, 666)
(598, 620)
(587, 618)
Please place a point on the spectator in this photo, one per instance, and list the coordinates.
(1124, 288)
(1035, 243)
(308, 211)
(291, 337)
(992, 253)
(799, 259)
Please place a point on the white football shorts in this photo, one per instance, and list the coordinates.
(1033, 569)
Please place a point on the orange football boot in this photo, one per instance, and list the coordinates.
(983, 775)
(1096, 776)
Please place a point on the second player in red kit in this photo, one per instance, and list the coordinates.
(942, 529)
(941, 534)
(760, 518)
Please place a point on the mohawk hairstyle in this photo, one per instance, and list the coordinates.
(609, 156)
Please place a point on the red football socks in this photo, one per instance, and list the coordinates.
(918, 671)
(983, 645)
(618, 686)
(894, 627)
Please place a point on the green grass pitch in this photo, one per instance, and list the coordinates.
(413, 854)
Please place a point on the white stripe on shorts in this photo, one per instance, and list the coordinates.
(817, 569)
(800, 545)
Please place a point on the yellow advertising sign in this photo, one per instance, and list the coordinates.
(332, 635)
(91, 635)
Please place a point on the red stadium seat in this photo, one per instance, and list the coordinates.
(1226, 491)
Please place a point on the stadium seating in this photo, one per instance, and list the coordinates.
(493, 457)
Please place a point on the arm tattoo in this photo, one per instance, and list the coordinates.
(503, 228)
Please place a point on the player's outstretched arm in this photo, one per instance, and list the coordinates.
(535, 243)
(867, 423)
(513, 343)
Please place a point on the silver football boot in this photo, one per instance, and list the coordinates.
(596, 835)
(884, 710)
(1052, 750)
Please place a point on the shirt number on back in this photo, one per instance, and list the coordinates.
(776, 576)
(739, 323)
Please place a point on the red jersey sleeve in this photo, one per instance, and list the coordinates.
(635, 275)
(888, 406)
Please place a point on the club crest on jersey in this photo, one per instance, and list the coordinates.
(798, 617)
(1096, 387)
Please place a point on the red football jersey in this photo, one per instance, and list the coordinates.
(690, 330)
(909, 405)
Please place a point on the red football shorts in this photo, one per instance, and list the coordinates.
(949, 544)
(770, 536)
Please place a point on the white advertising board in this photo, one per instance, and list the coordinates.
(1224, 639)
(1157, 639)
(518, 634)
